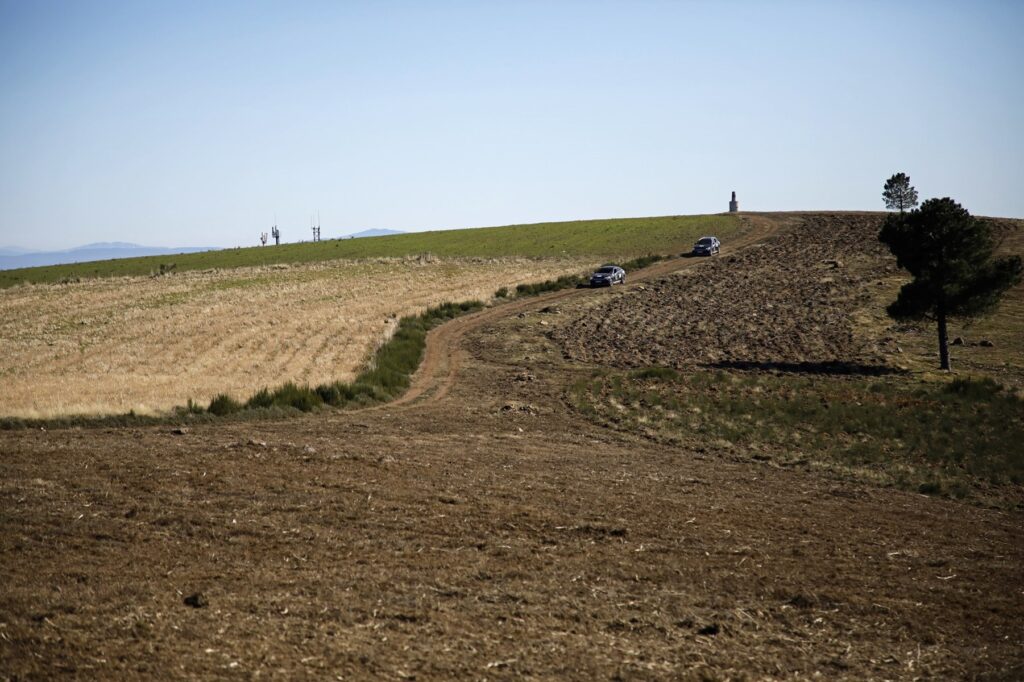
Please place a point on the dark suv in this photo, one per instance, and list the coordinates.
(707, 246)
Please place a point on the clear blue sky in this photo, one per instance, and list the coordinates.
(193, 123)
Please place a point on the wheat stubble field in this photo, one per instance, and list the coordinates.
(112, 345)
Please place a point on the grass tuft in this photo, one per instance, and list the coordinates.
(641, 262)
(223, 404)
(974, 389)
(290, 394)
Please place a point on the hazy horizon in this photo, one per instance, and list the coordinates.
(200, 124)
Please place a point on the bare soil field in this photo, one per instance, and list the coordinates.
(481, 528)
(789, 300)
(107, 346)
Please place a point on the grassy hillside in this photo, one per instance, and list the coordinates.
(597, 238)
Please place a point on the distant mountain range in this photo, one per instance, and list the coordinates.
(372, 233)
(12, 257)
(14, 251)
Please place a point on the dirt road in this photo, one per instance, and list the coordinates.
(480, 529)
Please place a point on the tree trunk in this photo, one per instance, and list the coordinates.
(943, 339)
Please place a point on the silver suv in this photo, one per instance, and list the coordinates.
(607, 275)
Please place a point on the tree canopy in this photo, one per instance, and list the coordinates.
(949, 253)
(898, 193)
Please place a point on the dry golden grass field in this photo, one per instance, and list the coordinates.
(107, 346)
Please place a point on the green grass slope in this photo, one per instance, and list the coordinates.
(616, 238)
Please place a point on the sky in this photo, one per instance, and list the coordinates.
(201, 123)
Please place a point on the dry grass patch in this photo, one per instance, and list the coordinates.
(150, 343)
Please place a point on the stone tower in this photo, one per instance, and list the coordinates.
(734, 206)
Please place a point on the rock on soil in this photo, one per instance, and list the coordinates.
(516, 407)
(789, 300)
(197, 600)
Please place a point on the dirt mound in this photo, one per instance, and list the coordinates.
(790, 300)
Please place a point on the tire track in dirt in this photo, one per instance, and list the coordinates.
(442, 355)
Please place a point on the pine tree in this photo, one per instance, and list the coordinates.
(899, 194)
(949, 253)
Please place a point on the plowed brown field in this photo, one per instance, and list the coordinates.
(480, 529)
(789, 300)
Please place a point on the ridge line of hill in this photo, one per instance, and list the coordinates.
(607, 238)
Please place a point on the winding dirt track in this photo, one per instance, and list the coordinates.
(443, 352)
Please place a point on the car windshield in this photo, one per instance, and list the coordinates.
(606, 271)
(706, 241)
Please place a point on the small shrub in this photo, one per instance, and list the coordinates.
(300, 397)
(260, 398)
(223, 404)
(501, 293)
(959, 490)
(563, 282)
(336, 394)
(641, 262)
(365, 393)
